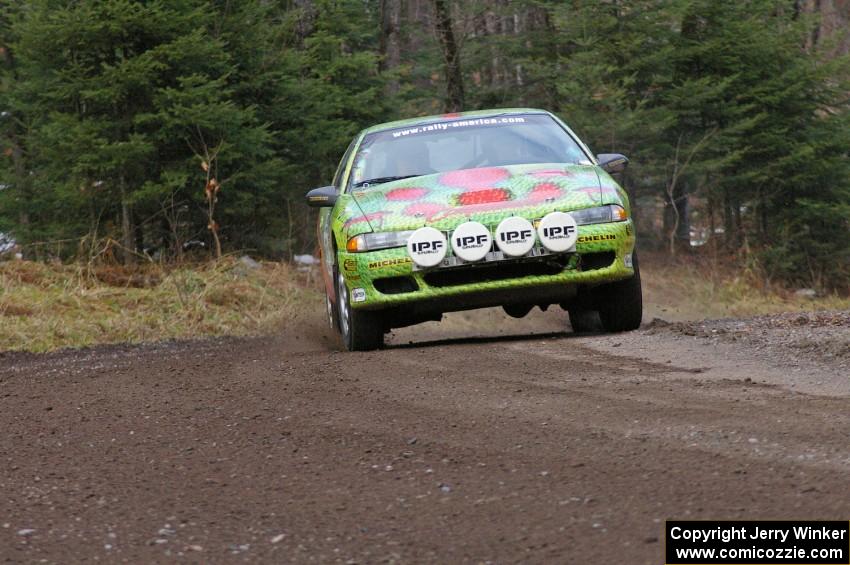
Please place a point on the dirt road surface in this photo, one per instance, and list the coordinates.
(486, 440)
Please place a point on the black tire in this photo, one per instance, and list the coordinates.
(361, 330)
(621, 303)
(583, 320)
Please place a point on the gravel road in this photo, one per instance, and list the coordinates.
(486, 439)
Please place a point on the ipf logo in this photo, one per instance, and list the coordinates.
(472, 240)
(425, 247)
(559, 232)
(515, 235)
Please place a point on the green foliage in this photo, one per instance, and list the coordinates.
(717, 99)
(781, 146)
(122, 101)
(111, 107)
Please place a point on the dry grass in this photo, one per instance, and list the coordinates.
(45, 307)
(695, 288)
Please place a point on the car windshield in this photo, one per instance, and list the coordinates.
(463, 144)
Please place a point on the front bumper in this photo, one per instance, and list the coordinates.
(385, 279)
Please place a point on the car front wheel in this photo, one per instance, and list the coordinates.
(361, 330)
(583, 320)
(621, 303)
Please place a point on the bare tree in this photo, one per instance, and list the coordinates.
(211, 189)
(673, 194)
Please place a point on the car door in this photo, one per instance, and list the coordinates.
(325, 224)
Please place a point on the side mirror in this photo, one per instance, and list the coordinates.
(321, 197)
(612, 162)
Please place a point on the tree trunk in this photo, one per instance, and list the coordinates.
(830, 19)
(709, 239)
(127, 239)
(390, 46)
(677, 227)
(492, 28)
(21, 182)
(138, 232)
(683, 227)
(731, 216)
(451, 56)
(21, 178)
(551, 83)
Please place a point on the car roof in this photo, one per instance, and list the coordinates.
(451, 116)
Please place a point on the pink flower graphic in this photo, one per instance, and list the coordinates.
(544, 191)
(474, 178)
(407, 193)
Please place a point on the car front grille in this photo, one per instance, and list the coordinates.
(496, 272)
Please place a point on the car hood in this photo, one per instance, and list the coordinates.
(485, 195)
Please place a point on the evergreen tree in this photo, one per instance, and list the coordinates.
(119, 118)
(778, 162)
(122, 96)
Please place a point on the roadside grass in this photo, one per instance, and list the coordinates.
(694, 288)
(48, 306)
(45, 307)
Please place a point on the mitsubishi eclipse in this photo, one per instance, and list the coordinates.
(490, 208)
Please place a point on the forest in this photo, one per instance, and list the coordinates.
(152, 130)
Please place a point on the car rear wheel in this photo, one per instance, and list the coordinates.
(621, 303)
(333, 314)
(361, 330)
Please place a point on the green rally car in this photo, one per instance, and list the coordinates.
(472, 210)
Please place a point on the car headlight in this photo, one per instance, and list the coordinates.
(600, 215)
(379, 240)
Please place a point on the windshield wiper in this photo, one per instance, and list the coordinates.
(382, 180)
